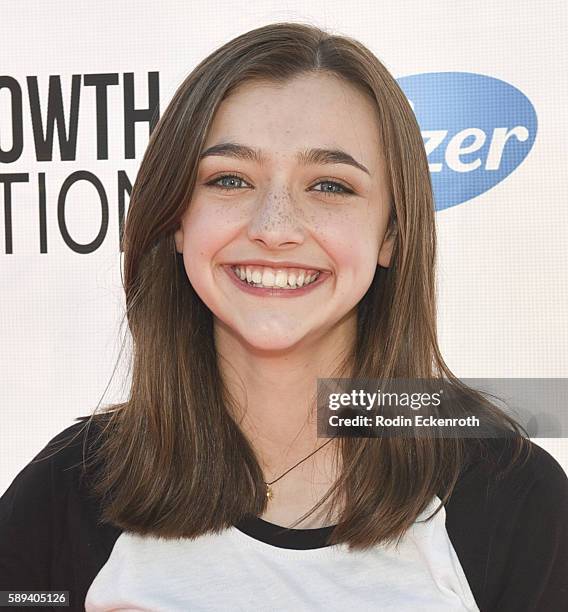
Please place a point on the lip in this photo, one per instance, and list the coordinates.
(275, 264)
(273, 291)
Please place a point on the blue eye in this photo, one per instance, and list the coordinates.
(216, 183)
(233, 177)
(344, 190)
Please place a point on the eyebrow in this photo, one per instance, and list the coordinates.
(306, 156)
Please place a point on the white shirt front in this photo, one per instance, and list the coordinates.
(233, 571)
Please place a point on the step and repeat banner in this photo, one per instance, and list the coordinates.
(82, 84)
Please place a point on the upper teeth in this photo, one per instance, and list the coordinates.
(270, 277)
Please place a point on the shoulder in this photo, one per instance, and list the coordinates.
(54, 461)
(494, 484)
(491, 465)
(60, 461)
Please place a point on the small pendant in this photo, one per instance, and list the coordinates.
(269, 494)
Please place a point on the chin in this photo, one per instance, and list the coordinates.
(271, 342)
(266, 333)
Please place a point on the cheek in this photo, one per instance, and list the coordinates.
(206, 229)
(351, 243)
(205, 233)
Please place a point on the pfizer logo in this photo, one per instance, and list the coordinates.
(477, 130)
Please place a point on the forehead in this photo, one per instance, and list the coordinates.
(316, 110)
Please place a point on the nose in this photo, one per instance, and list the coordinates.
(276, 220)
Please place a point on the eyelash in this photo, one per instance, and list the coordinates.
(346, 190)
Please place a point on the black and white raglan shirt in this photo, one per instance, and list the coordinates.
(495, 546)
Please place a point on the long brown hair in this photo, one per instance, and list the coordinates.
(173, 462)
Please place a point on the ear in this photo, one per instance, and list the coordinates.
(385, 252)
(178, 237)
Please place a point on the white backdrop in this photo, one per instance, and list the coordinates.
(503, 285)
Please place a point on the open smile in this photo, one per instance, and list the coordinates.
(309, 282)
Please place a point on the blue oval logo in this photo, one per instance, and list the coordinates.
(477, 129)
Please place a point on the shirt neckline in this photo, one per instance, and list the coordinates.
(285, 537)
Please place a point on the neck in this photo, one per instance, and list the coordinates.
(275, 391)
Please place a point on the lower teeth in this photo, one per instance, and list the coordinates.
(276, 286)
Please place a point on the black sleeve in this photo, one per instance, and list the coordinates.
(536, 568)
(51, 538)
(28, 531)
(511, 533)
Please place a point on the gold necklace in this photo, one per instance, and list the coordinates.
(269, 493)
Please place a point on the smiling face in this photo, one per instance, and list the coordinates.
(302, 214)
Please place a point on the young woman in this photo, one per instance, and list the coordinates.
(280, 231)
